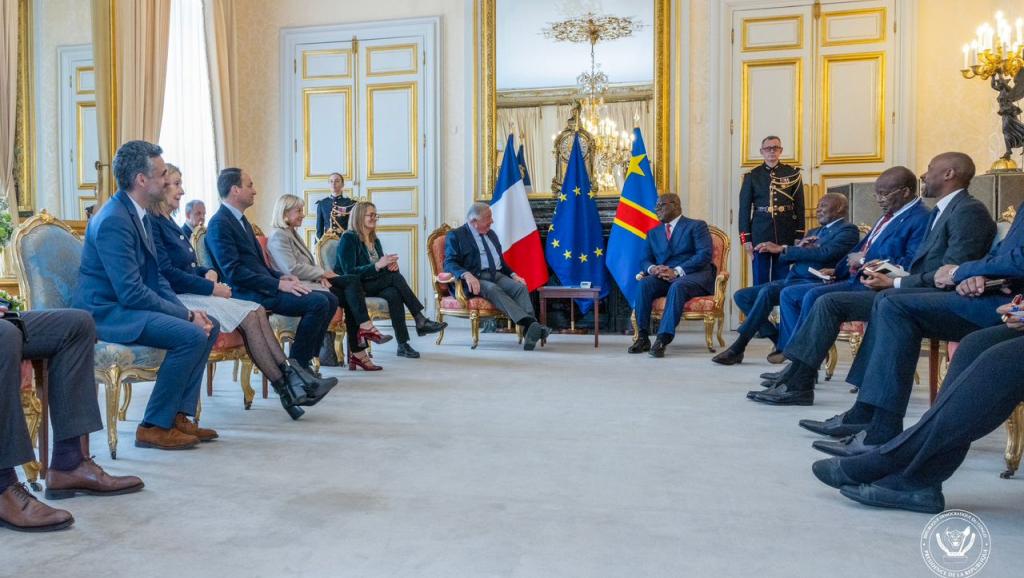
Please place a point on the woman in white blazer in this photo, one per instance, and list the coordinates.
(291, 255)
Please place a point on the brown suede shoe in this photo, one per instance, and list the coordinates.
(21, 511)
(187, 426)
(88, 478)
(164, 439)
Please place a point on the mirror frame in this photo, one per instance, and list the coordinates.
(485, 111)
(24, 137)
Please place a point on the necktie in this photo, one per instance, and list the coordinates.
(934, 217)
(877, 231)
(491, 264)
(148, 233)
(668, 231)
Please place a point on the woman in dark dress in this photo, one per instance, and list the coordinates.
(361, 255)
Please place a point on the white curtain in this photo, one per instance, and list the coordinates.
(186, 133)
(8, 96)
(525, 124)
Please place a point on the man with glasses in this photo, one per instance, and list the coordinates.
(771, 210)
(959, 229)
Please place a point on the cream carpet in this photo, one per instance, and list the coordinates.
(567, 461)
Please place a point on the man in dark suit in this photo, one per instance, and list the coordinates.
(821, 249)
(66, 338)
(238, 257)
(195, 216)
(677, 264)
(959, 229)
(894, 238)
(332, 212)
(899, 322)
(473, 253)
(120, 283)
(983, 386)
(771, 210)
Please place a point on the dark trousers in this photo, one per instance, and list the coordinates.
(392, 287)
(352, 299)
(66, 337)
(757, 303)
(819, 330)
(768, 267)
(181, 373)
(678, 291)
(983, 386)
(900, 320)
(316, 310)
(796, 303)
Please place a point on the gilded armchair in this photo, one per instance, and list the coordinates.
(708, 308)
(48, 254)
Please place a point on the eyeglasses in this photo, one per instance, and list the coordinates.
(886, 194)
(372, 216)
(771, 149)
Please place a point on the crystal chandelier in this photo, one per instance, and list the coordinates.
(611, 147)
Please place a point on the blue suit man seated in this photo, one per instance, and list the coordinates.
(120, 283)
(822, 248)
(238, 257)
(894, 238)
(677, 264)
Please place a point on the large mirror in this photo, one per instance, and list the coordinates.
(545, 69)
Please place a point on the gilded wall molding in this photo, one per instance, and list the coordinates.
(24, 137)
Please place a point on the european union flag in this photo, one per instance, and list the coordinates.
(633, 218)
(575, 246)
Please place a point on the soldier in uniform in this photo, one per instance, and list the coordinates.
(332, 212)
(771, 209)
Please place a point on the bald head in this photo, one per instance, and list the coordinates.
(832, 206)
(946, 173)
(894, 188)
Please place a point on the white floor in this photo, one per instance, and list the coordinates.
(567, 461)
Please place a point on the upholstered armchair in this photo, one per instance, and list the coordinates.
(449, 295)
(709, 308)
(48, 254)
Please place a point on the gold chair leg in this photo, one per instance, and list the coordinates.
(248, 393)
(721, 324)
(440, 335)
(636, 328)
(111, 380)
(234, 371)
(123, 412)
(830, 362)
(1014, 441)
(709, 332)
(474, 328)
(33, 410)
(339, 346)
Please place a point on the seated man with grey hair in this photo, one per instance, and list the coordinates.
(473, 254)
(195, 216)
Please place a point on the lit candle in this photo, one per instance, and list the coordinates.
(966, 50)
(1020, 31)
(974, 52)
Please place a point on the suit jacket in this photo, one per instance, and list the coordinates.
(1004, 261)
(119, 280)
(323, 213)
(962, 233)
(757, 226)
(238, 257)
(188, 231)
(462, 255)
(178, 259)
(898, 242)
(353, 259)
(833, 244)
(689, 248)
(290, 255)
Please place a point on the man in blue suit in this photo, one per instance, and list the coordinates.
(677, 264)
(821, 248)
(894, 238)
(119, 282)
(238, 257)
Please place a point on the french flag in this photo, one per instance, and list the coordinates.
(514, 224)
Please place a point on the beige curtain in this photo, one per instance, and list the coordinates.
(526, 124)
(9, 97)
(130, 55)
(220, 43)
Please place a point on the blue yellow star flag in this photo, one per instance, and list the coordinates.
(633, 218)
(521, 160)
(575, 245)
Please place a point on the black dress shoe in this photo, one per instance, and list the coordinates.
(641, 345)
(776, 357)
(833, 426)
(430, 326)
(781, 394)
(926, 500)
(831, 474)
(658, 349)
(406, 350)
(774, 375)
(847, 447)
(728, 357)
(534, 333)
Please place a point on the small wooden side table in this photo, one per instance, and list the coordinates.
(572, 292)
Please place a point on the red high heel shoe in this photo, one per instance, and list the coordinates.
(373, 335)
(367, 365)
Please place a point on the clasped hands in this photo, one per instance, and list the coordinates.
(201, 320)
(970, 287)
(389, 262)
(664, 272)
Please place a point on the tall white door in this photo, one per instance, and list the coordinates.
(79, 141)
(363, 103)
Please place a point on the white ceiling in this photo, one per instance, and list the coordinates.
(525, 59)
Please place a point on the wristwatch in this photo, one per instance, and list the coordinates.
(191, 317)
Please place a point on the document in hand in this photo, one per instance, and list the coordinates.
(890, 270)
(819, 274)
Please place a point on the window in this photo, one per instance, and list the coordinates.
(186, 131)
